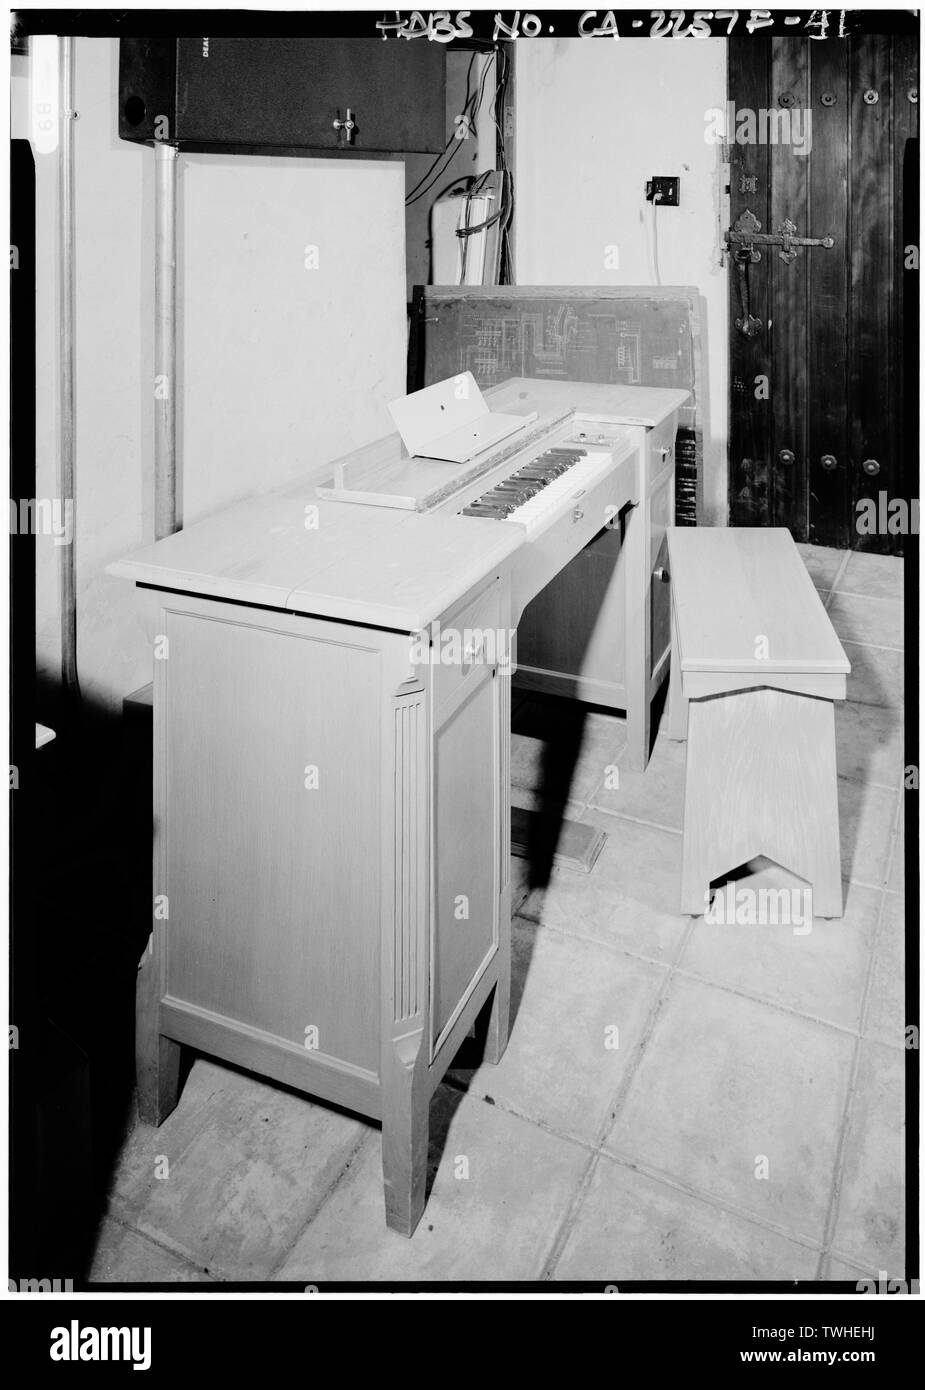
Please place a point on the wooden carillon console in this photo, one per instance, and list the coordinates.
(332, 751)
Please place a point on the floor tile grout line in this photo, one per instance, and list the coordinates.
(872, 964)
(676, 966)
(882, 1041)
(872, 647)
(546, 1127)
(894, 839)
(121, 1218)
(834, 1202)
(686, 973)
(827, 595)
(568, 934)
(863, 593)
(709, 1199)
(324, 1197)
(865, 883)
(635, 820)
(567, 1224)
(879, 598)
(868, 598)
(842, 563)
(832, 1206)
(850, 1259)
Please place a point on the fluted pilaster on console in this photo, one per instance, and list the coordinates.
(410, 907)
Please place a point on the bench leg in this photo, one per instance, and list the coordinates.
(761, 781)
(677, 705)
(697, 848)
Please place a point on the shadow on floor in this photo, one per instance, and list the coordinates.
(560, 725)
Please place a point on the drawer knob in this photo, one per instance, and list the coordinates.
(829, 461)
(871, 467)
(786, 457)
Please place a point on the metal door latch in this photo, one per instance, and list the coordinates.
(348, 126)
(746, 235)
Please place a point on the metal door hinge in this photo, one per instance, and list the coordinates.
(746, 234)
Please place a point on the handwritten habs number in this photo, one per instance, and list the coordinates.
(699, 27)
(442, 27)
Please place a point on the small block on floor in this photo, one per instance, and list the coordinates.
(578, 846)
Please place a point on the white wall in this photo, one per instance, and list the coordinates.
(595, 119)
(114, 415)
(286, 363)
(285, 368)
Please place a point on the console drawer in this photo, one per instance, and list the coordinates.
(465, 641)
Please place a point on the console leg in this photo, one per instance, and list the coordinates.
(405, 1134)
(636, 645)
(499, 1018)
(157, 1058)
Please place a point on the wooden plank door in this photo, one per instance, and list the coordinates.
(818, 416)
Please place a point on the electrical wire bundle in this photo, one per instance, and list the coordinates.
(441, 164)
(473, 185)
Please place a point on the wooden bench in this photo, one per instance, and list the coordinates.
(755, 668)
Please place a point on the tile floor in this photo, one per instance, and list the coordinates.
(748, 1123)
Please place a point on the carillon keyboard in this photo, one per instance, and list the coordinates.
(539, 491)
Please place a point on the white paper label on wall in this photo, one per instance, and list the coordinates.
(43, 92)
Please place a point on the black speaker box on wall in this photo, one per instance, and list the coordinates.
(345, 96)
(147, 87)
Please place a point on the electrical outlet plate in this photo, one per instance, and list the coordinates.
(669, 188)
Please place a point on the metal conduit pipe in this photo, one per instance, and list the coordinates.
(67, 553)
(165, 343)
